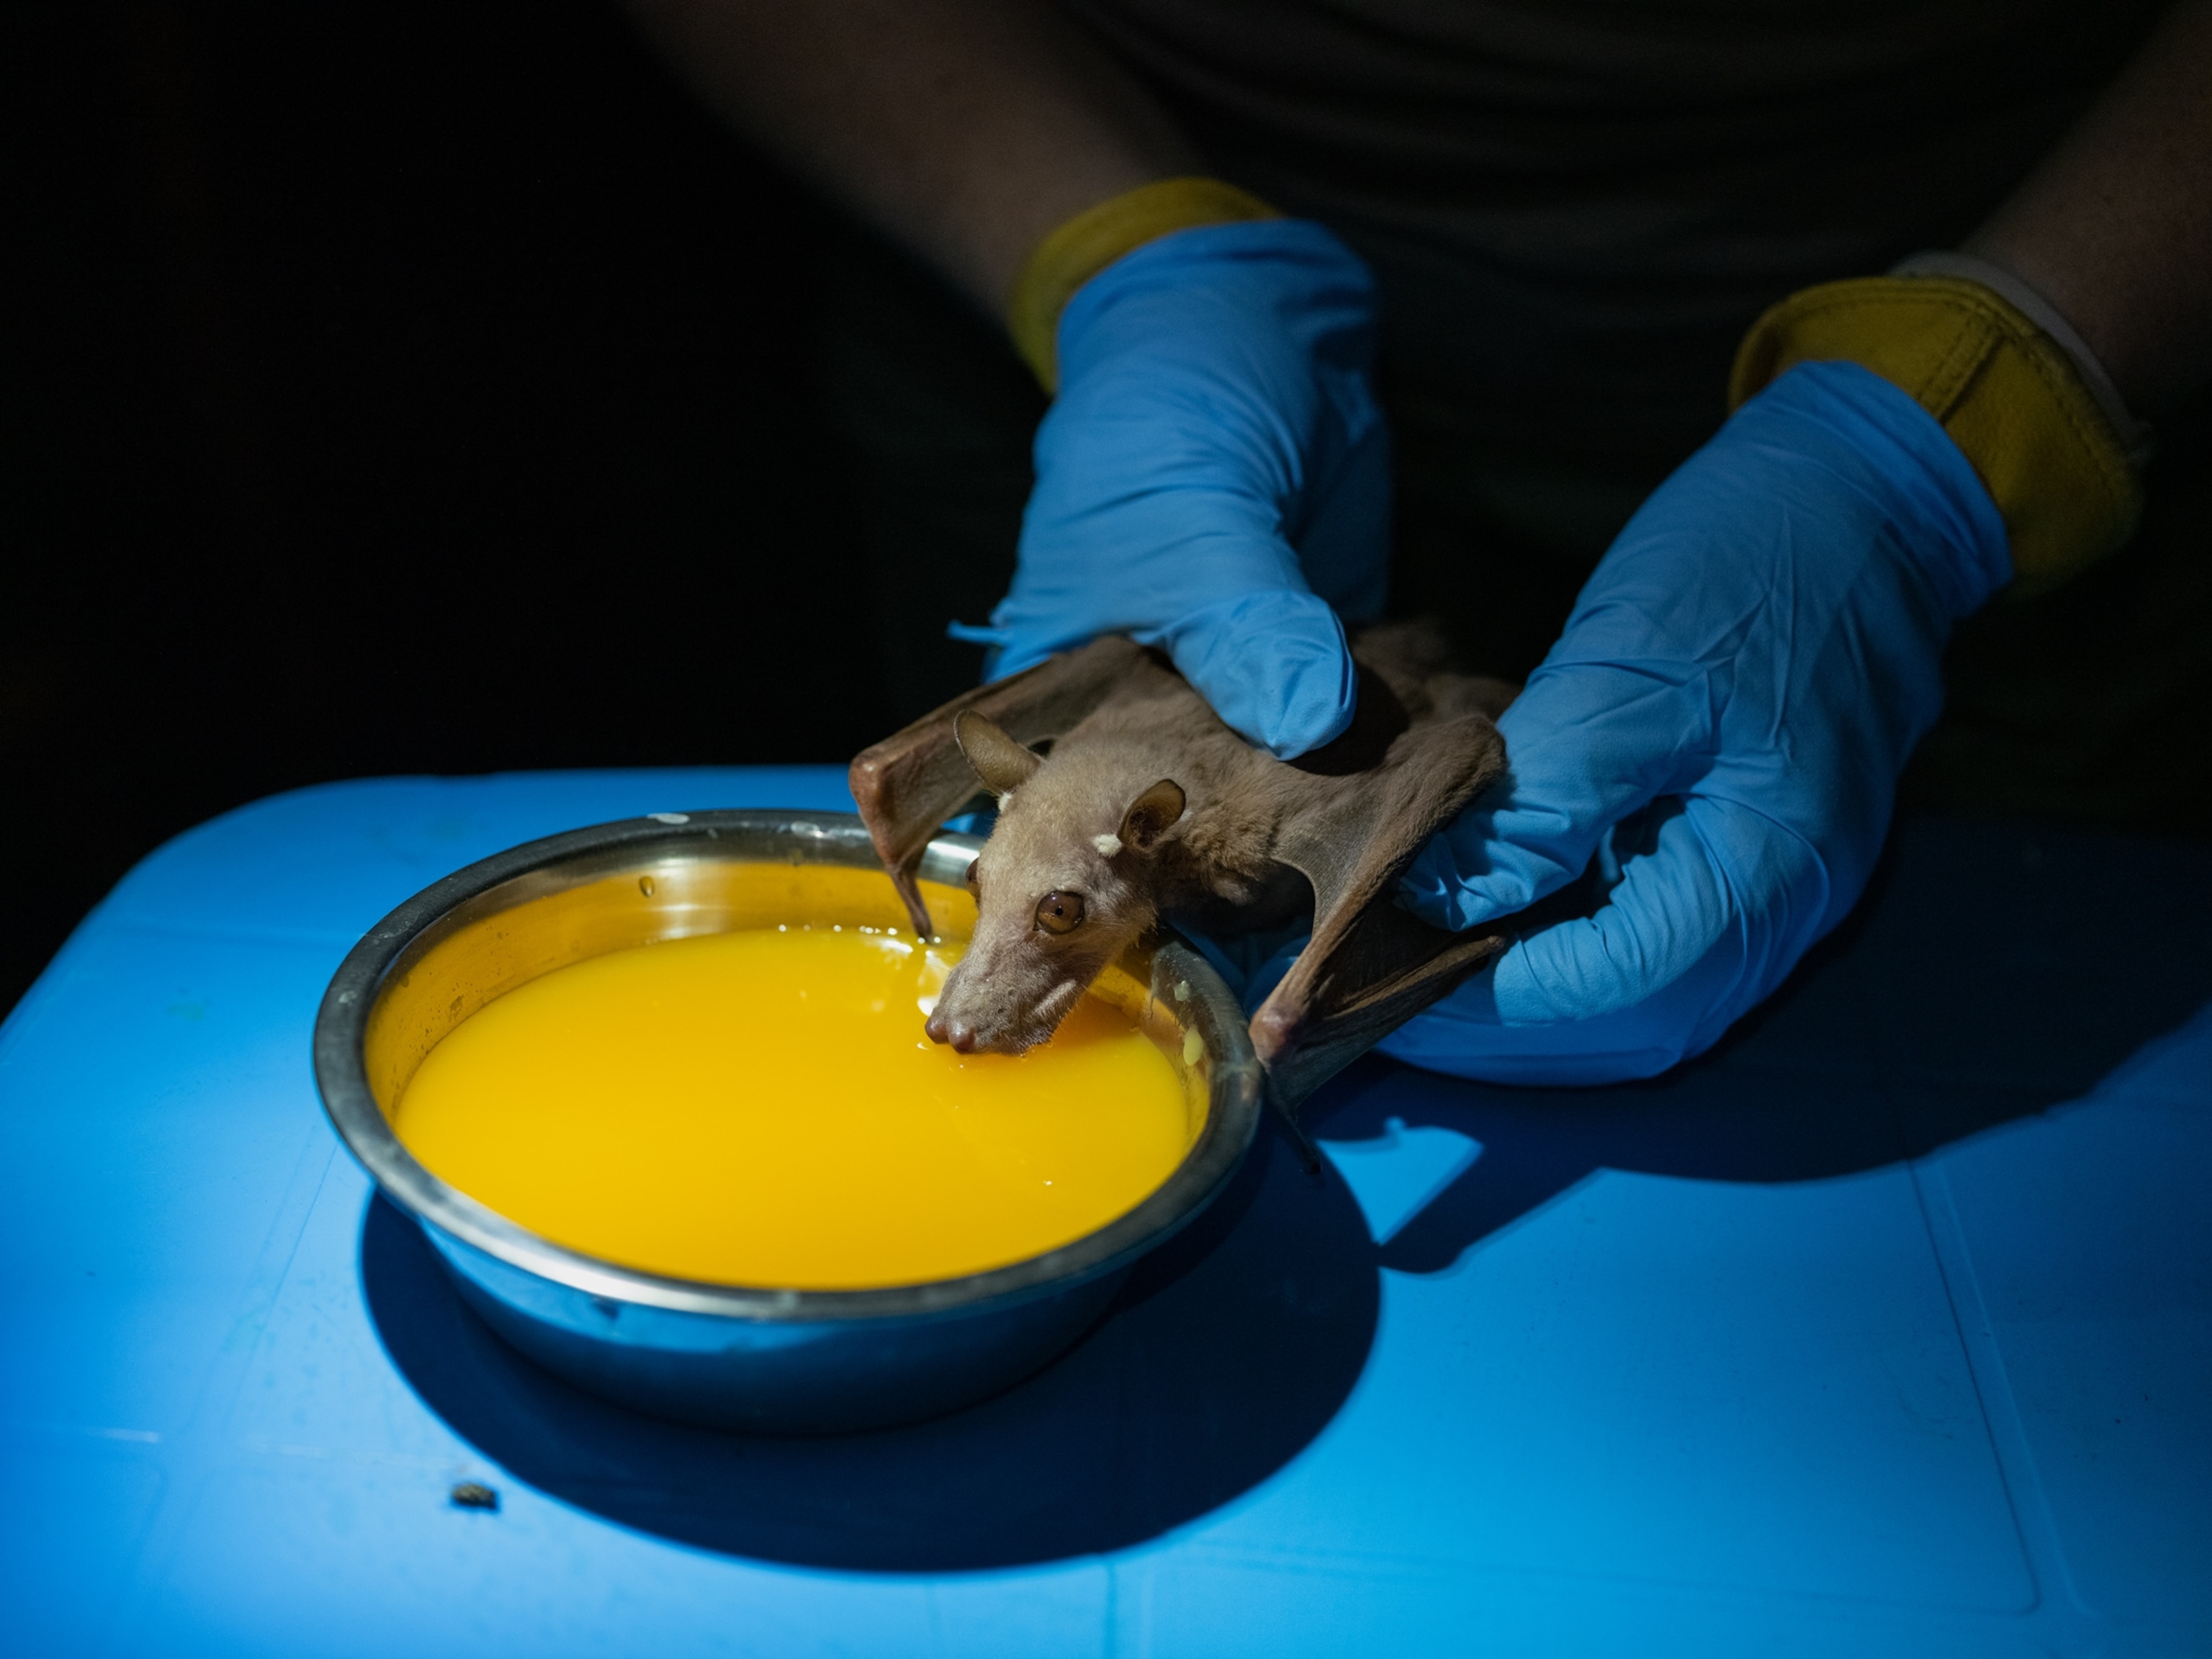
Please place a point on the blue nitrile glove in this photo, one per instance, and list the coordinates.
(1214, 475)
(1720, 728)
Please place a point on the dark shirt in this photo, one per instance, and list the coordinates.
(1577, 207)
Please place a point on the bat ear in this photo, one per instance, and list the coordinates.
(1152, 815)
(907, 785)
(1003, 764)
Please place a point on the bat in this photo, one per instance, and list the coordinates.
(1147, 807)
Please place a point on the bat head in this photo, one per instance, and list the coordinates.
(1065, 884)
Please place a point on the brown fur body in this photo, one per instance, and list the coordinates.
(1251, 841)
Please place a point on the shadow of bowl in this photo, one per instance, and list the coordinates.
(1226, 1351)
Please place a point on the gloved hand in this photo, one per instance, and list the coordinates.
(1214, 475)
(1720, 727)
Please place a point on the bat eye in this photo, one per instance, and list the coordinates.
(975, 883)
(1060, 913)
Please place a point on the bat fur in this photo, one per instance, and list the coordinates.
(1147, 807)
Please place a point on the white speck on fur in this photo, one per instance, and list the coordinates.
(1108, 845)
(1005, 800)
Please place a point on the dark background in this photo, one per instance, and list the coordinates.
(393, 388)
(409, 388)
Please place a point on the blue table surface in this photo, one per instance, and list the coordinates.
(1887, 1329)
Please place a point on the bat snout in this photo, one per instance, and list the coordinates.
(966, 1035)
(987, 1026)
(962, 1021)
(955, 1034)
(1003, 1001)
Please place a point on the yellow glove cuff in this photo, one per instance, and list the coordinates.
(2010, 398)
(1079, 249)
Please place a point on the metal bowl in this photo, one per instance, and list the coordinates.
(742, 1357)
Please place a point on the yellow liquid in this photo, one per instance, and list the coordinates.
(762, 1107)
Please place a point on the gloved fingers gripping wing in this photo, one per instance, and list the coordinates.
(908, 784)
(1371, 967)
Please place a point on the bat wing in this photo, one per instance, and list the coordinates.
(908, 784)
(1370, 966)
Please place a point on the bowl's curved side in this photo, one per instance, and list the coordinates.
(824, 1376)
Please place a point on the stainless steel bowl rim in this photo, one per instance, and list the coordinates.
(578, 855)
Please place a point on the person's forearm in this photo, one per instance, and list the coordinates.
(967, 129)
(2115, 227)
